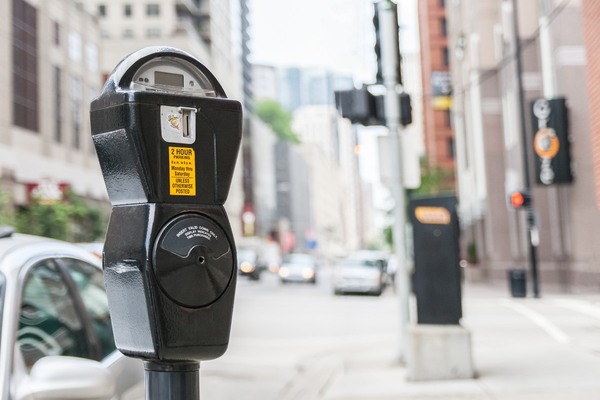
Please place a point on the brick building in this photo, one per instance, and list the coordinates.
(560, 54)
(435, 64)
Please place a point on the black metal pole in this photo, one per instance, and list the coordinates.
(172, 381)
(531, 228)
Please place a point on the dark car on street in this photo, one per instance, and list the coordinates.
(250, 263)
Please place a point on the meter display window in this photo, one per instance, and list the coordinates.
(166, 78)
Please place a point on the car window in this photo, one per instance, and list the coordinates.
(246, 255)
(90, 284)
(48, 320)
(299, 259)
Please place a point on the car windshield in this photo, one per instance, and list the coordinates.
(298, 259)
(360, 263)
(246, 255)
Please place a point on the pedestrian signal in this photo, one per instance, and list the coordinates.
(519, 200)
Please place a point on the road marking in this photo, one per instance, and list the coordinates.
(555, 332)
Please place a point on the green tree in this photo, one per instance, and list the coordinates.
(280, 120)
(434, 180)
(72, 220)
(7, 216)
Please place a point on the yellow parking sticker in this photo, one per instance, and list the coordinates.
(182, 171)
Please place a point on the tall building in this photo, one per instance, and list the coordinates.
(490, 144)
(328, 146)
(435, 64)
(322, 167)
(51, 54)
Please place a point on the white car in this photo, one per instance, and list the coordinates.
(55, 330)
(359, 275)
(297, 267)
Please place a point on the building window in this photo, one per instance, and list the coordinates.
(127, 33)
(152, 9)
(445, 57)
(102, 10)
(443, 3)
(450, 147)
(58, 136)
(24, 71)
(153, 32)
(127, 10)
(91, 56)
(448, 115)
(75, 46)
(56, 32)
(443, 26)
(76, 100)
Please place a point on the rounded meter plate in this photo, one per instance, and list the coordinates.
(193, 260)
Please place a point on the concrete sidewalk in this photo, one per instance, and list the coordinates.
(523, 349)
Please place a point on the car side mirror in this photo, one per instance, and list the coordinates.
(61, 377)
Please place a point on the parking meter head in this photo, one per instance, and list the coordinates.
(163, 114)
(161, 69)
(167, 140)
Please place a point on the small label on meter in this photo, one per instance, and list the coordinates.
(182, 171)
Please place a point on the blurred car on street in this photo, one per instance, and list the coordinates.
(298, 267)
(360, 273)
(55, 328)
(250, 263)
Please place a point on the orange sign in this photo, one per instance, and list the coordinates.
(433, 215)
(546, 143)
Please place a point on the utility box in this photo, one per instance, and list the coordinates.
(437, 276)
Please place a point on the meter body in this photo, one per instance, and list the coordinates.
(167, 140)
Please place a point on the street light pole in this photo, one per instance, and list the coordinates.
(533, 234)
(388, 26)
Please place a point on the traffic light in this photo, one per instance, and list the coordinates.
(379, 38)
(360, 106)
(405, 109)
(377, 47)
(519, 200)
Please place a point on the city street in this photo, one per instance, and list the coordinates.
(302, 342)
(288, 341)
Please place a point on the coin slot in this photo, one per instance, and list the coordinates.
(187, 122)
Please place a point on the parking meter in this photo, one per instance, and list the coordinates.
(167, 139)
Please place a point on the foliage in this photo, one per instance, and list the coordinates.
(472, 256)
(434, 180)
(6, 216)
(72, 220)
(280, 120)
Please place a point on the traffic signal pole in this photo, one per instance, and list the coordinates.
(533, 233)
(388, 26)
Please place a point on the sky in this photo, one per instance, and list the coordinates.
(334, 34)
(337, 35)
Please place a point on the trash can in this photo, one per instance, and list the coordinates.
(518, 282)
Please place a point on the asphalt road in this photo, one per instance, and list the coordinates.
(300, 342)
(288, 340)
